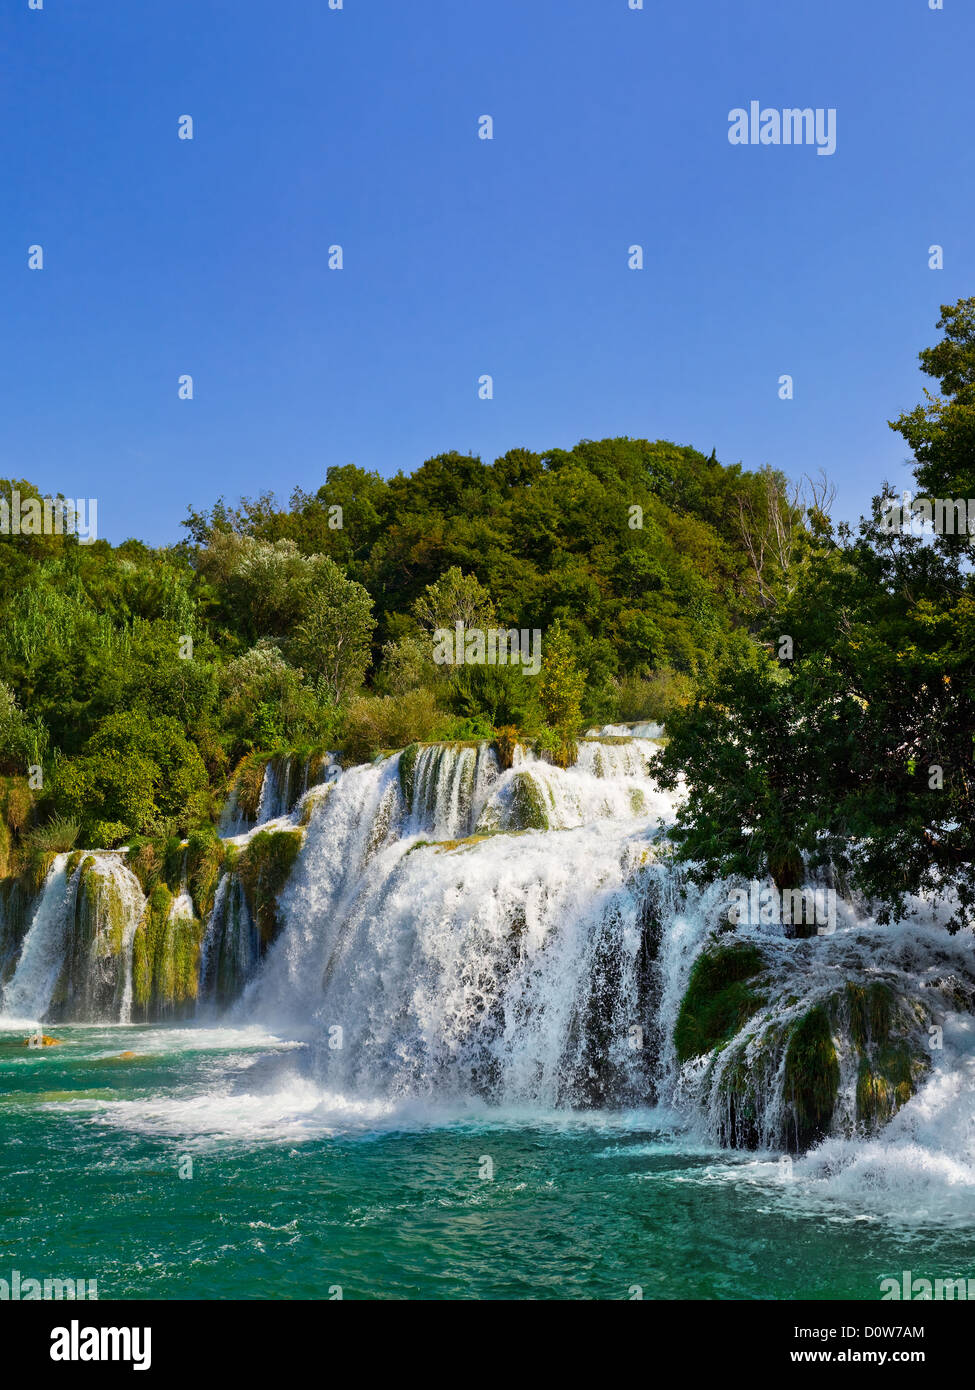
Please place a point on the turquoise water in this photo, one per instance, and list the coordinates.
(295, 1192)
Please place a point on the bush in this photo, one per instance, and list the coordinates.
(653, 697)
(58, 836)
(146, 863)
(265, 703)
(22, 741)
(373, 723)
(136, 774)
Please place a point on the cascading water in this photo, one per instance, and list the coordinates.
(230, 950)
(514, 967)
(456, 932)
(28, 994)
(449, 789)
(76, 959)
(284, 781)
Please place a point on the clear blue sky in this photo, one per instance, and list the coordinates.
(464, 256)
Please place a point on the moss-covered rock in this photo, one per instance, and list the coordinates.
(264, 866)
(741, 1093)
(105, 901)
(165, 958)
(37, 868)
(246, 782)
(719, 1000)
(506, 742)
(313, 800)
(812, 1078)
(407, 772)
(526, 809)
(147, 947)
(205, 860)
(18, 901)
(883, 1028)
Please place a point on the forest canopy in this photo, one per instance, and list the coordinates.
(138, 678)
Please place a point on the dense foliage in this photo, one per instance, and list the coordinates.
(138, 679)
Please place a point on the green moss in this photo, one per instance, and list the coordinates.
(890, 1066)
(719, 999)
(100, 919)
(39, 862)
(506, 741)
(264, 866)
(871, 1010)
(147, 947)
(312, 801)
(166, 957)
(206, 857)
(812, 1078)
(527, 804)
(247, 781)
(446, 845)
(407, 772)
(738, 1095)
(144, 857)
(18, 901)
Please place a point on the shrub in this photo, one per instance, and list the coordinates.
(373, 723)
(58, 836)
(22, 741)
(135, 773)
(653, 697)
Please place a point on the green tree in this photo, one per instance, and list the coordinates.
(138, 772)
(560, 685)
(333, 642)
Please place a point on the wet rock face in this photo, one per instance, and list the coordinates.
(777, 1052)
(103, 906)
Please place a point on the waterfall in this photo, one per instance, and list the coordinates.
(231, 948)
(28, 994)
(519, 979)
(440, 928)
(76, 959)
(450, 787)
(509, 966)
(275, 800)
(285, 779)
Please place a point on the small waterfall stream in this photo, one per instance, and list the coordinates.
(28, 994)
